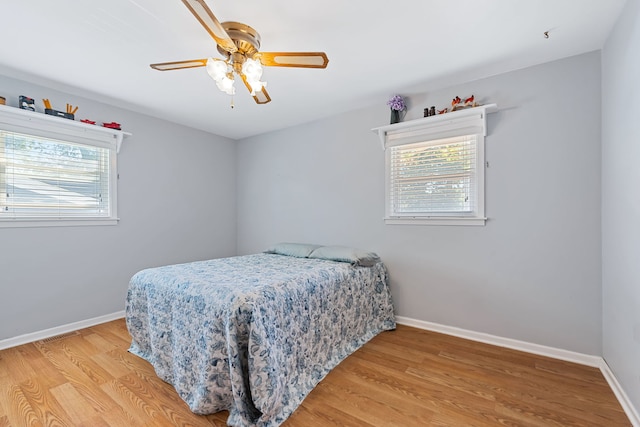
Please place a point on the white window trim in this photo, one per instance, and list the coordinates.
(467, 121)
(32, 123)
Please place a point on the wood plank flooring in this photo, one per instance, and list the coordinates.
(408, 377)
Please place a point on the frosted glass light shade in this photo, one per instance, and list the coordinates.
(225, 84)
(252, 69)
(217, 68)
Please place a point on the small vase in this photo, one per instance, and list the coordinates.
(395, 116)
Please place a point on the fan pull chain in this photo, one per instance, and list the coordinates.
(232, 104)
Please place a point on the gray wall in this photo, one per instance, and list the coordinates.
(532, 273)
(176, 197)
(621, 201)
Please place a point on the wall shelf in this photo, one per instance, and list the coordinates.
(16, 115)
(437, 120)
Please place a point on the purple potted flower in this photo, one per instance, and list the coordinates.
(397, 105)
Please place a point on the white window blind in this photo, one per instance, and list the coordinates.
(47, 178)
(434, 178)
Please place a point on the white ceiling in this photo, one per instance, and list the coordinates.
(103, 49)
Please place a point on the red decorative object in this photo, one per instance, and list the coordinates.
(112, 125)
(459, 104)
(91, 122)
(443, 111)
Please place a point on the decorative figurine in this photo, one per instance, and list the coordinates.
(443, 111)
(27, 103)
(469, 101)
(455, 103)
(69, 114)
(112, 125)
(459, 104)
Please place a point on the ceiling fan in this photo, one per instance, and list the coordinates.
(240, 45)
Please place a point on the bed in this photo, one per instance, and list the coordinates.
(255, 334)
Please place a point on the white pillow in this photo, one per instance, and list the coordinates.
(300, 250)
(354, 256)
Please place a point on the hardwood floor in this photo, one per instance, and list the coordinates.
(408, 377)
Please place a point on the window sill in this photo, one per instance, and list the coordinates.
(435, 221)
(75, 222)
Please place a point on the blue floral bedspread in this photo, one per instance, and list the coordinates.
(254, 334)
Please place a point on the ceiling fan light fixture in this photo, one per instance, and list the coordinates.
(226, 85)
(217, 68)
(252, 69)
(222, 73)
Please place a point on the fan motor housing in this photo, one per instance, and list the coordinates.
(246, 39)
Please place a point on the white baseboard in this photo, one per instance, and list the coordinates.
(58, 330)
(566, 355)
(626, 404)
(556, 353)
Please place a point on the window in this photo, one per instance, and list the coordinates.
(54, 171)
(435, 169)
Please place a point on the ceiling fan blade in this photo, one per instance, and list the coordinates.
(177, 65)
(293, 59)
(261, 96)
(210, 23)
